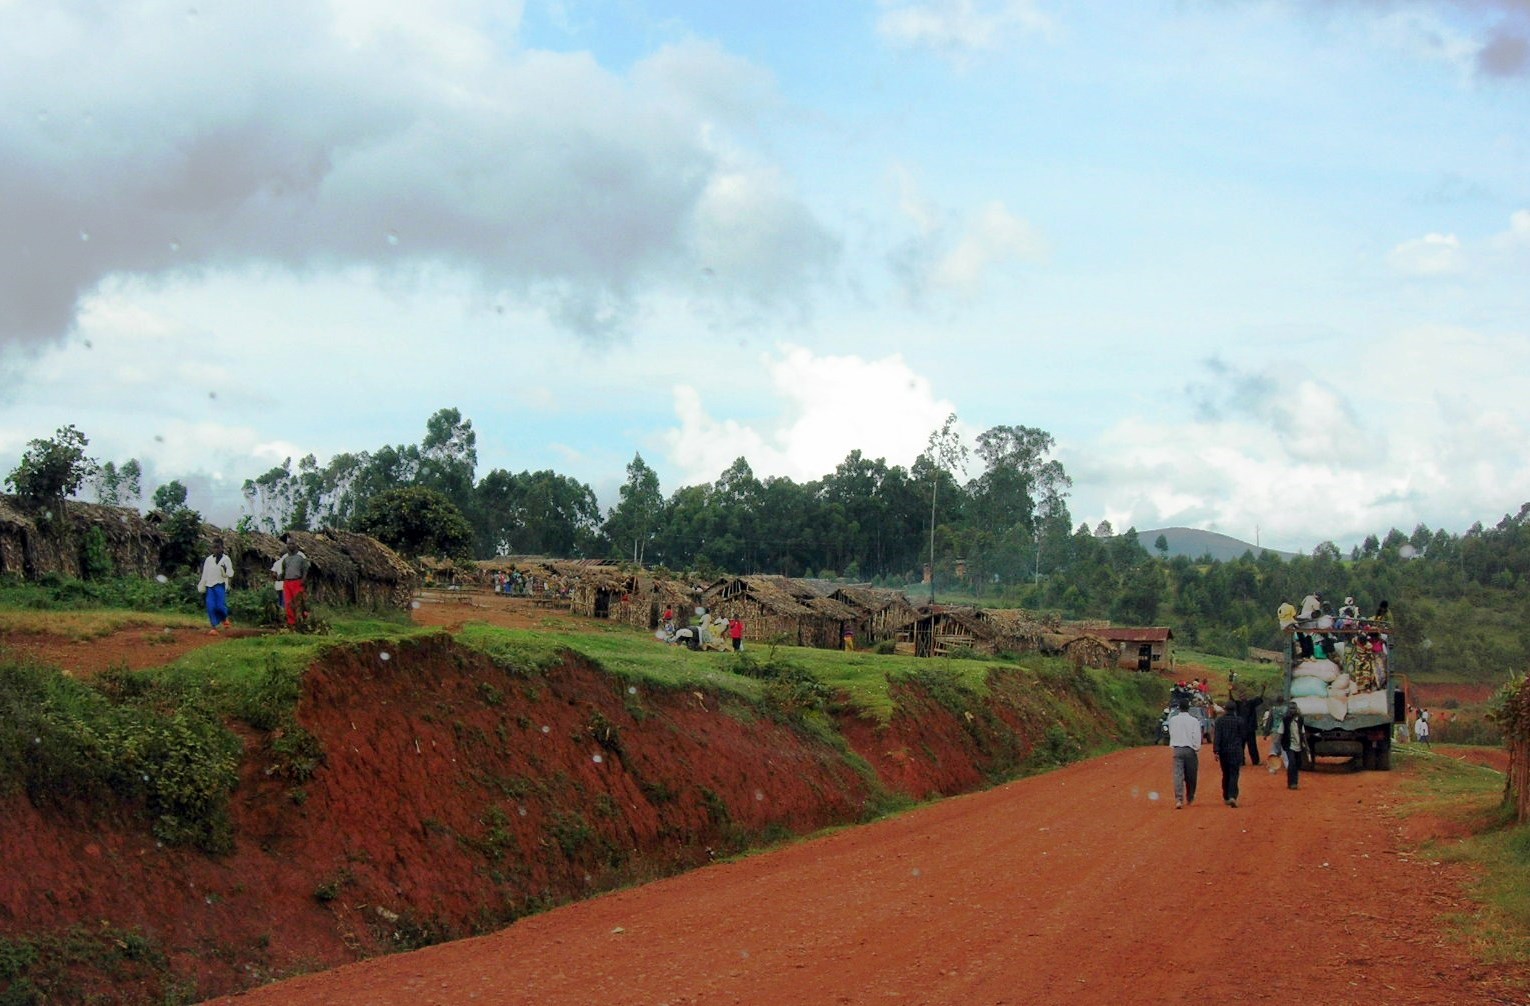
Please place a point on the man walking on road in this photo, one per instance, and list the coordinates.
(1227, 745)
(1293, 744)
(294, 578)
(1185, 744)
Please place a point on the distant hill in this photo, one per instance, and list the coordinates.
(1193, 543)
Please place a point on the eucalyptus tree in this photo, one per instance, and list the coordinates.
(636, 519)
(944, 455)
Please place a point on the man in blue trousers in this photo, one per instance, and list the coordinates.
(217, 574)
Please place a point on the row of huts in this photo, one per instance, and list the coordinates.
(346, 567)
(824, 614)
(354, 569)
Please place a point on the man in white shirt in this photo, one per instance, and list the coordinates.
(217, 574)
(1185, 745)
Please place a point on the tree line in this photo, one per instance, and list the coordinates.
(1001, 535)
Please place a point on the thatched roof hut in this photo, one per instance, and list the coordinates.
(937, 631)
(1017, 631)
(344, 567)
(879, 611)
(1081, 650)
(35, 542)
(764, 604)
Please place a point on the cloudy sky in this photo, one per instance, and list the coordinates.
(1259, 267)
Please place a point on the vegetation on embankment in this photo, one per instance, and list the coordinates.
(273, 804)
(1448, 782)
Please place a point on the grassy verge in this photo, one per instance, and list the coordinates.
(1472, 797)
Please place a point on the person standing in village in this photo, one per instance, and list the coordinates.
(1272, 721)
(217, 574)
(1293, 744)
(276, 582)
(1227, 745)
(736, 632)
(669, 619)
(1421, 727)
(1248, 712)
(1185, 746)
(294, 572)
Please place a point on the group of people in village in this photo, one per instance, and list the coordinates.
(702, 631)
(290, 578)
(1235, 731)
(1234, 739)
(513, 583)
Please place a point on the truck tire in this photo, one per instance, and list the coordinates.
(1384, 755)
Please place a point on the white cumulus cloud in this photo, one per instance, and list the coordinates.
(1430, 255)
(828, 407)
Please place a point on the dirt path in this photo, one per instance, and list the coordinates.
(1081, 886)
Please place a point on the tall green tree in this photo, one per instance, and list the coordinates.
(449, 457)
(633, 523)
(118, 486)
(52, 470)
(944, 457)
(415, 521)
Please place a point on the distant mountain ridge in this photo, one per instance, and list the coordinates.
(1194, 543)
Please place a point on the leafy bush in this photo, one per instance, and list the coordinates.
(67, 741)
(52, 592)
(789, 690)
(95, 555)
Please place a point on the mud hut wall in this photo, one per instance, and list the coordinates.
(822, 633)
(582, 600)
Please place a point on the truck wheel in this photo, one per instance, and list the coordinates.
(1384, 756)
(1368, 757)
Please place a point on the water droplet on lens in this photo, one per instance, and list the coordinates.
(393, 238)
(597, 759)
(916, 872)
(1153, 795)
(632, 689)
(523, 811)
(546, 729)
(162, 578)
(385, 655)
(175, 246)
(84, 235)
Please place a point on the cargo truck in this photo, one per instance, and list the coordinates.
(1343, 676)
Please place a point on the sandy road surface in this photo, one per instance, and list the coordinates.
(1077, 886)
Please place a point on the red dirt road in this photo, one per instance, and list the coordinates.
(1077, 886)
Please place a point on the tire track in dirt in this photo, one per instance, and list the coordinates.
(1076, 886)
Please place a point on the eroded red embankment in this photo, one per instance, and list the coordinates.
(455, 796)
